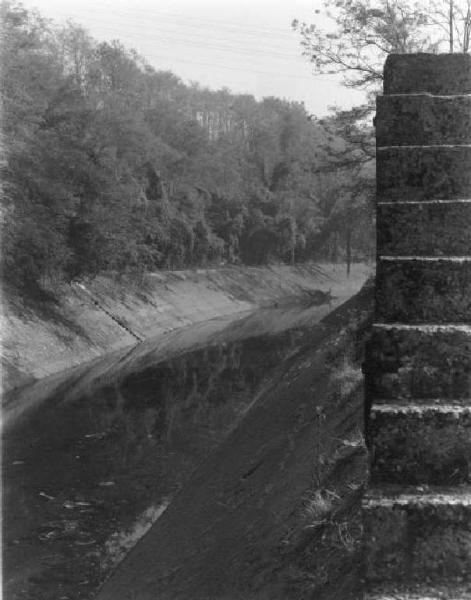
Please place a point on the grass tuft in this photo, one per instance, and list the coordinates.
(318, 509)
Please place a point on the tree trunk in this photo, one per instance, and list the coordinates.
(349, 250)
(451, 23)
(335, 247)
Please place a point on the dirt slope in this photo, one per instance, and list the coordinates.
(271, 514)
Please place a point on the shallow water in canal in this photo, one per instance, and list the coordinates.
(92, 458)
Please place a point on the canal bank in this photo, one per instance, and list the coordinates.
(91, 466)
(90, 319)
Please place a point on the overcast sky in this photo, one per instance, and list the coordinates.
(244, 45)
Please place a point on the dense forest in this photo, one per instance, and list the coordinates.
(113, 166)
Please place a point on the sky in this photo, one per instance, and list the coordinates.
(247, 46)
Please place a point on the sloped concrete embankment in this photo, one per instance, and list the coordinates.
(253, 522)
(93, 319)
(418, 510)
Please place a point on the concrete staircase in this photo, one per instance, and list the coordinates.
(417, 513)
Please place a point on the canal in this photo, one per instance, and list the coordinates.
(93, 457)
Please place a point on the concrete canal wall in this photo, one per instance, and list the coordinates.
(91, 319)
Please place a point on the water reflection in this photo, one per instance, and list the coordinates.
(89, 468)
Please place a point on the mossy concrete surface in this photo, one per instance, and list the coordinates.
(423, 173)
(438, 229)
(423, 120)
(420, 363)
(420, 592)
(417, 518)
(422, 537)
(421, 291)
(421, 445)
(443, 74)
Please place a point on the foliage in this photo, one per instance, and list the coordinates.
(114, 166)
(361, 34)
(364, 32)
(355, 45)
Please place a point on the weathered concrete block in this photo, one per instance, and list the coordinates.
(422, 120)
(424, 173)
(465, 402)
(427, 362)
(421, 591)
(418, 536)
(424, 229)
(422, 291)
(428, 73)
(420, 445)
(419, 358)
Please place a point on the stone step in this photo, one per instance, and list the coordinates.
(427, 73)
(423, 290)
(424, 228)
(425, 361)
(464, 402)
(419, 592)
(417, 535)
(420, 444)
(423, 173)
(418, 119)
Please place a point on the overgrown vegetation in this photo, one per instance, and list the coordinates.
(112, 165)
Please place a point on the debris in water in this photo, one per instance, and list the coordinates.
(95, 436)
(69, 504)
(44, 495)
(85, 542)
(44, 537)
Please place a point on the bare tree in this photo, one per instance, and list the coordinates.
(453, 19)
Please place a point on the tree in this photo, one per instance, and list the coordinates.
(115, 166)
(364, 32)
(453, 19)
(361, 34)
(34, 207)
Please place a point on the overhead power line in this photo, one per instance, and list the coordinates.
(197, 34)
(243, 69)
(219, 23)
(196, 22)
(197, 38)
(243, 54)
(223, 47)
